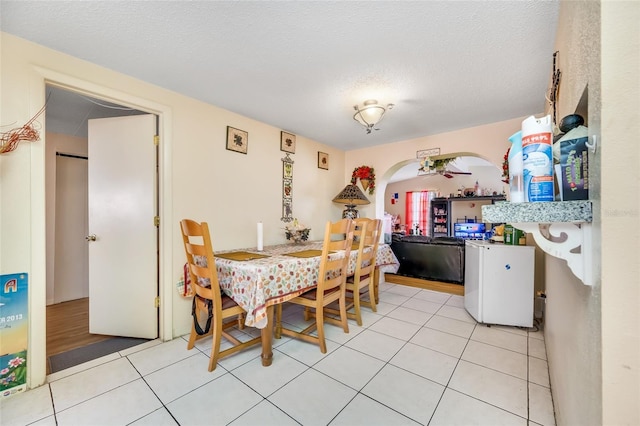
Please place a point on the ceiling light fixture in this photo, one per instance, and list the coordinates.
(370, 114)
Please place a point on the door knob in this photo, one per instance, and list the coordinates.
(91, 237)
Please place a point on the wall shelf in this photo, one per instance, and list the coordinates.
(561, 228)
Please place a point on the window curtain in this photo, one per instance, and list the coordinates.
(417, 211)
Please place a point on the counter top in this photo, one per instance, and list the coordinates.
(548, 212)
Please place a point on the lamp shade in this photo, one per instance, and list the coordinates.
(370, 114)
(351, 195)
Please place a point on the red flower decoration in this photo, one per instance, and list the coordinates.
(364, 172)
(505, 167)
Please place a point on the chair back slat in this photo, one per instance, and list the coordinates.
(338, 236)
(199, 252)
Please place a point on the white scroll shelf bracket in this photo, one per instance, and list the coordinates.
(567, 240)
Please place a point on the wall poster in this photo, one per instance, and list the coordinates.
(13, 334)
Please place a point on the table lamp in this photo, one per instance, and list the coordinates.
(351, 196)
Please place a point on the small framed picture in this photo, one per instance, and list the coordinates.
(287, 142)
(323, 160)
(427, 153)
(237, 140)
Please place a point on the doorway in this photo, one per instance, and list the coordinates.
(67, 115)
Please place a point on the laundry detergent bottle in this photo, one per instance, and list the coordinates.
(516, 167)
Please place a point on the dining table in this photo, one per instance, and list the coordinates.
(259, 280)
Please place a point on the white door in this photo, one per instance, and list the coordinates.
(123, 258)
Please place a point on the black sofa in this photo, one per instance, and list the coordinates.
(436, 259)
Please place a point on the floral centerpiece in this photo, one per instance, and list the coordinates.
(428, 164)
(296, 232)
(367, 178)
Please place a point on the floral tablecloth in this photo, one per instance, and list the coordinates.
(258, 283)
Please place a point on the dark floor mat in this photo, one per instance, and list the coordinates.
(77, 356)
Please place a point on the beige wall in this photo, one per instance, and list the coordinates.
(489, 141)
(592, 333)
(200, 178)
(620, 212)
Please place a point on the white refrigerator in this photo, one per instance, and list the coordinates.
(498, 283)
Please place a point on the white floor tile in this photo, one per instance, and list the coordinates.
(306, 352)
(364, 411)
(537, 335)
(337, 334)
(90, 383)
(313, 398)
(47, 421)
(433, 296)
(157, 357)
(395, 328)
(119, 406)
(392, 370)
(439, 341)
(455, 300)
(226, 398)
(541, 405)
(499, 338)
(376, 344)
(350, 367)
(422, 305)
(266, 380)
(410, 315)
(456, 313)
(537, 348)
(264, 414)
(160, 417)
(407, 393)
(539, 372)
(499, 389)
(424, 362)
(503, 360)
(393, 299)
(456, 408)
(178, 379)
(383, 308)
(451, 326)
(404, 290)
(27, 407)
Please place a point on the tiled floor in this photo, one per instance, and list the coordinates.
(420, 360)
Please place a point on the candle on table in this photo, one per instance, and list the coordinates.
(260, 237)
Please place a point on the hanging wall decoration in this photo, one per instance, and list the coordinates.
(237, 140)
(323, 160)
(9, 140)
(287, 189)
(288, 142)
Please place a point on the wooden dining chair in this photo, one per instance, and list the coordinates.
(362, 281)
(332, 275)
(210, 304)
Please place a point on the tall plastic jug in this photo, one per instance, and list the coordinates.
(516, 183)
(537, 158)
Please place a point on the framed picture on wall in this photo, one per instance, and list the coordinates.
(237, 140)
(287, 142)
(323, 160)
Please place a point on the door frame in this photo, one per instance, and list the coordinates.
(37, 300)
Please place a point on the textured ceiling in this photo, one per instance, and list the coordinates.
(301, 66)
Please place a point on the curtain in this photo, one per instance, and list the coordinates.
(417, 211)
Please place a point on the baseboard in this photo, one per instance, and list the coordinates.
(425, 284)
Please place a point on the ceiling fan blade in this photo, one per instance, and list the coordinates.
(458, 173)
